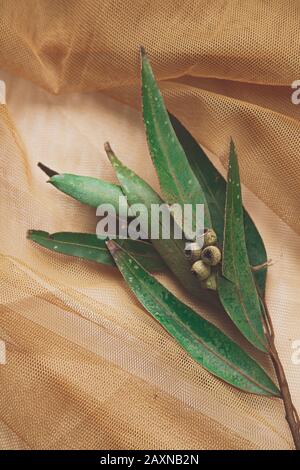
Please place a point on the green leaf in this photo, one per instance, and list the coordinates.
(178, 182)
(237, 289)
(171, 250)
(89, 247)
(205, 343)
(214, 187)
(88, 190)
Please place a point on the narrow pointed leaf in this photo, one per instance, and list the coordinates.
(177, 180)
(205, 343)
(214, 187)
(89, 247)
(170, 249)
(88, 190)
(236, 287)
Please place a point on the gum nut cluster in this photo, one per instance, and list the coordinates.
(203, 259)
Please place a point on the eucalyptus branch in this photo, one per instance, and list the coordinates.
(237, 272)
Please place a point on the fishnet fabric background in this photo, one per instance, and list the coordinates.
(86, 366)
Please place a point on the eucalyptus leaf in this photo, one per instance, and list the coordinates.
(89, 247)
(178, 182)
(214, 187)
(236, 287)
(204, 342)
(88, 190)
(171, 250)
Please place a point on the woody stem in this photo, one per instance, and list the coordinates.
(290, 410)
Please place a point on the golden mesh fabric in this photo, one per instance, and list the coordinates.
(87, 367)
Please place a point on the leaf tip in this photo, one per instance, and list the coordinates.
(47, 170)
(29, 233)
(111, 155)
(109, 151)
(232, 150)
(142, 52)
(107, 147)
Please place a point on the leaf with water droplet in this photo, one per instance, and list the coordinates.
(178, 183)
(204, 342)
(170, 249)
(236, 287)
(89, 247)
(214, 187)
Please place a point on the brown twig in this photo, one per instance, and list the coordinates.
(290, 410)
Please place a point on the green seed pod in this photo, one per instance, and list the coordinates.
(201, 269)
(210, 282)
(211, 255)
(192, 251)
(210, 237)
